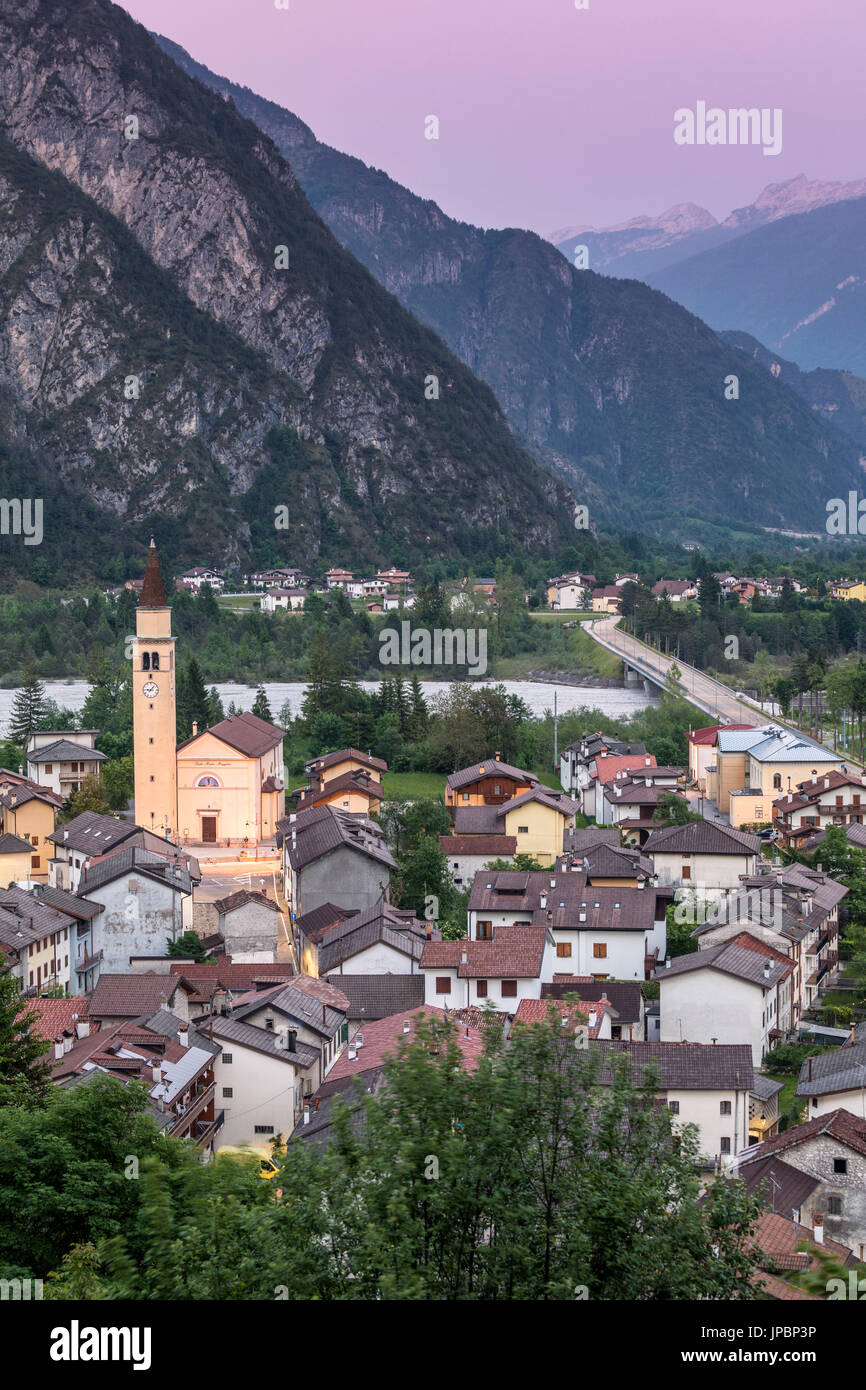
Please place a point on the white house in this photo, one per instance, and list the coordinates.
(381, 940)
(276, 1050)
(704, 1086)
(467, 855)
(146, 901)
(617, 932)
(511, 967)
(61, 759)
(738, 992)
(834, 1080)
(702, 852)
(202, 574)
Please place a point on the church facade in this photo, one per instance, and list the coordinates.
(224, 785)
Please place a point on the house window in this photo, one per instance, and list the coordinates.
(777, 781)
(726, 1144)
(443, 984)
(34, 861)
(599, 950)
(563, 948)
(674, 1107)
(724, 1107)
(34, 840)
(49, 767)
(496, 789)
(687, 871)
(227, 1059)
(484, 931)
(263, 1129)
(840, 1165)
(481, 989)
(227, 1092)
(207, 781)
(523, 829)
(509, 989)
(464, 796)
(834, 1206)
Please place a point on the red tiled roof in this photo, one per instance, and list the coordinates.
(539, 1010)
(323, 990)
(515, 952)
(53, 1016)
(241, 898)
(382, 1039)
(131, 995)
(607, 768)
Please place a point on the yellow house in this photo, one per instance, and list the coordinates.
(774, 765)
(538, 820)
(349, 780)
(15, 860)
(30, 813)
(230, 782)
(855, 589)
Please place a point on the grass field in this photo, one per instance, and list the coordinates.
(430, 786)
(413, 786)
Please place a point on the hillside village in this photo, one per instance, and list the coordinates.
(308, 980)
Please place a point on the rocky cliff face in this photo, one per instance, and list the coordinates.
(612, 386)
(171, 243)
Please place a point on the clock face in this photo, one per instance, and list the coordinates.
(150, 689)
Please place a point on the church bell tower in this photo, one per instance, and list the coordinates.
(153, 707)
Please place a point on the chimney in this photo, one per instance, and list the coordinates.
(67, 1041)
(464, 957)
(183, 1035)
(291, 1039)
(809, 1060)
(543, 901)
(667, 962)
(82, 1026)
(407, 1025)
(768, 966)
(195, 728)
(353, 1052)
(818, 1228)
(58, 1048)
(157, 1074)
(306, 1114)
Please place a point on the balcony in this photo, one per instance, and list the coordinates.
(88, 962)
(204, 1130)
(184, 1124)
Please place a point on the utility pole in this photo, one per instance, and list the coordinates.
(555, 735)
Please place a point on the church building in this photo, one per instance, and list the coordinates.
(222, 785)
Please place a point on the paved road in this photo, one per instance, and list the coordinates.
(715, 699)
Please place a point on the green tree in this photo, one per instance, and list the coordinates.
(24, 1074)
(189, 945)
(672, 809)
(28, 708)
(261, 708)
(191, 701)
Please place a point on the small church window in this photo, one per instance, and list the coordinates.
(154, 661)
(145, 661)
(207, 782)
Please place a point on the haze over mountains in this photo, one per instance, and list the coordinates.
(612, 386)
(789, 268)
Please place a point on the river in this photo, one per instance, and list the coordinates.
(615, 701)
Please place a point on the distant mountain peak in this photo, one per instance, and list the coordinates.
(678, 220)
(796, 195)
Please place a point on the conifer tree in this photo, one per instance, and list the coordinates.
(28, 708)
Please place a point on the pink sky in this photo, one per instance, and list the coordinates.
(549, 115)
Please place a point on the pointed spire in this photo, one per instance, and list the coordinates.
(153, 589)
